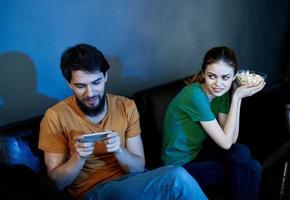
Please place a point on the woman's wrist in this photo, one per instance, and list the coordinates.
(235, 98)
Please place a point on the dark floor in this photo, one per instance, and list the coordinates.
(272, 182)
(270, 185)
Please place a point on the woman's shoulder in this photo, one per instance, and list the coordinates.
(193, 90)
(194, 87)
(191, 94)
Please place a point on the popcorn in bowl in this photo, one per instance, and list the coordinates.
(247, 77)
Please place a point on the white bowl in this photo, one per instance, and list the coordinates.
(250, 77)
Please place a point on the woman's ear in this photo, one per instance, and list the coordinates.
(202, 74)
(235, 76)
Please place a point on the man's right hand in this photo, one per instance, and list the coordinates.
(84, 149)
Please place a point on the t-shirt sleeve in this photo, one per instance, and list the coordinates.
(51, 137)
(133, 128)
(196, 105)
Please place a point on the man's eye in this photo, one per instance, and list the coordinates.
(79, 86)
(96, 83)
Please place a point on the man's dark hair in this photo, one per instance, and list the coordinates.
(82, 57)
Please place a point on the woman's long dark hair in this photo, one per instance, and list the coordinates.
(215, 55)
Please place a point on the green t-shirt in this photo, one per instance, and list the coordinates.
(182, 132)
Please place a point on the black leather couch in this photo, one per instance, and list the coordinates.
(265, 126)
(22, 168)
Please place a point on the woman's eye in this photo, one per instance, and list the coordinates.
(211, 76)
(226, 78)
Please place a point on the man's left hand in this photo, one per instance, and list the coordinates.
(113, 142)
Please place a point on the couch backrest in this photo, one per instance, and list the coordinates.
(152, 104)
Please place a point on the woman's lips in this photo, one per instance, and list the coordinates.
(218, 90)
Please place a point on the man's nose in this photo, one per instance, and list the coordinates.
(89, 91)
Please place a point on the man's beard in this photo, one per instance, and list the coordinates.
(93, 111)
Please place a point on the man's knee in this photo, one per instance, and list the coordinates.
(174, 170)
(179, 172)
(180, 176)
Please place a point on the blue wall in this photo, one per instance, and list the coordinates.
(147, 42)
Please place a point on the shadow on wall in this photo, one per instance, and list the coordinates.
(18, 89)
(117, 83)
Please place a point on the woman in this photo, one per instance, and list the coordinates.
(201, 127)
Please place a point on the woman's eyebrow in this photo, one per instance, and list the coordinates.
(211, 73)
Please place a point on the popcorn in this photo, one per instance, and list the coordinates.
(246, 77)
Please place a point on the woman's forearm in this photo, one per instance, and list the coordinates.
(237, 127)
(232, 124)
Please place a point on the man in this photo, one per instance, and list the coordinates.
(114, 167)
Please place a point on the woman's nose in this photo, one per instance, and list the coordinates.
(218, 81)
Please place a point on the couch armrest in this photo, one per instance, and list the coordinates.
(19, 144)
(265, 125)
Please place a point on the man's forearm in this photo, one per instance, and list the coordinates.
(66, 173)
(130, 162)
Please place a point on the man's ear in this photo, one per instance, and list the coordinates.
(69, 84)
(106, 76)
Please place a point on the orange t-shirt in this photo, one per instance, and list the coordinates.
(65, 120)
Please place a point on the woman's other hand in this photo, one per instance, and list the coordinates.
(248, 90)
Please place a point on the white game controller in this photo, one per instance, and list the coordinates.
(93, 137)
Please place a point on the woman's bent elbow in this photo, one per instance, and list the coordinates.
(226, 145)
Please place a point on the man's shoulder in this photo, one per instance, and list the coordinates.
(118, 102)
(118, 99)
(62, 105)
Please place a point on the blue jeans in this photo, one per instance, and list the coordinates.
(233, 168)
(161, 184)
